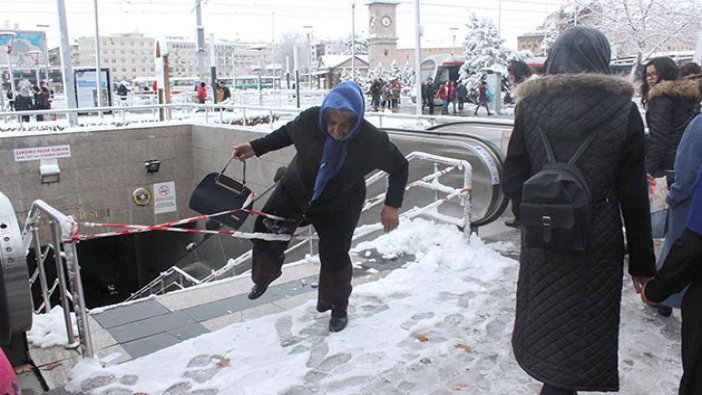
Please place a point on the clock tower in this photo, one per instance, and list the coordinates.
(382, 40)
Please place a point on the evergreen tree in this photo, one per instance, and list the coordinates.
(483, 47)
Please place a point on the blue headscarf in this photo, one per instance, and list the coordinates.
(346, 96)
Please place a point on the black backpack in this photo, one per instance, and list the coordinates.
(555, 210)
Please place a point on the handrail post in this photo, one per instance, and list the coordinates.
(63, 290)
(40, 266)
(79, 300)
(467, 198)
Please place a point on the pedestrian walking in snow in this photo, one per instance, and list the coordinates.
(324, 186)
(568, 302)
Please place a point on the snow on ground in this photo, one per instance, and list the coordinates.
(439, 325)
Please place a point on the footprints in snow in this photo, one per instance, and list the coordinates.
(200, 369)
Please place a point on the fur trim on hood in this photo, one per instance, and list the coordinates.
(686, 88)
(556, 84)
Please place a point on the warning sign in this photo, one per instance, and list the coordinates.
(36, 153)
(164, 197)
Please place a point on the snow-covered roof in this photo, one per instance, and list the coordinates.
(333, 61)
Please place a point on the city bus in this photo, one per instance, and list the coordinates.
(252, 82)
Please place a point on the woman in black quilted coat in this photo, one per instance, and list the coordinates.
(671, 105)
(568, 303)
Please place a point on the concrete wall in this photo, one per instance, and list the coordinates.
(105, 167)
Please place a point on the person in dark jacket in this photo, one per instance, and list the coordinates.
(41, 101)
(683, 268)
(656, 70)
(568, 303)
(23, 101)
(429, 92)
(325, 186)
(671, 105)
(688, 160)
(461, 94)
(482, 98)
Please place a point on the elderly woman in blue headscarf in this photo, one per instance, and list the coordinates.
(324, 185)
(568, 302)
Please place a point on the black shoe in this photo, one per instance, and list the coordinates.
(257, 291)
(665, 311)
(337, 324)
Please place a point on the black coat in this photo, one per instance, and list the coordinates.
(671, 107)
(370, 150)
(568, 303)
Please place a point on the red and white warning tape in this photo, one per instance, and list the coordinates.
(171, 227)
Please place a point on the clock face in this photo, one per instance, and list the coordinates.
(385, 21)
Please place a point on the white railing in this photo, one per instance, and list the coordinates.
(71, 296)
(243, 113)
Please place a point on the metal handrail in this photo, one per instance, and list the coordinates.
(66, 260)
(158, 286)
(212, 113)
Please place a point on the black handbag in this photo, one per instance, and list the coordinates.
(217, 192)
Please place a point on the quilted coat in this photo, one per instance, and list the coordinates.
(568, 303)
(671, 107)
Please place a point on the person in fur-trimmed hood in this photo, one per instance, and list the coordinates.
(568, 303)
(671, 105)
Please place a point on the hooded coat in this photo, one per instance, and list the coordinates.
(568, 303)
(366, 149)
(671, 107)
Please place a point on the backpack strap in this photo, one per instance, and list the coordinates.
(549, 151)
(584, 145)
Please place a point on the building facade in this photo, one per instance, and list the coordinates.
(132, 55)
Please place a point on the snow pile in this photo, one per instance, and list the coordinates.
(50, 329)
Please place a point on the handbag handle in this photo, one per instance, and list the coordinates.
(243, 162)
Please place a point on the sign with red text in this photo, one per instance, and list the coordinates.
(37, 153)
(164, 197)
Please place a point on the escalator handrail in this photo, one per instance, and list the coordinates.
(501, 204)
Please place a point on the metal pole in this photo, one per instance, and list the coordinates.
(213, 68)
(40, 266)
(297, 75)
(67, 68)
(499, 18)
(353, 41)
(200, 41)
(79, 299)
(63, 289)
(287, 71)
(98, 77)
(11, 35)
(273, 46)
(309, 58)
(2, 95)
(417, 60)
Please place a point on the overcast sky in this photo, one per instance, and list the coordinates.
(259, 20)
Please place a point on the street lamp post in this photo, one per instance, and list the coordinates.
(48, 64)
(98, 76)
(453, 46)
(309, 54)
(10, 36)
(353, 40)
(36, 55)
